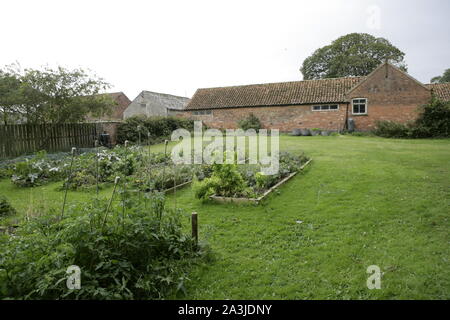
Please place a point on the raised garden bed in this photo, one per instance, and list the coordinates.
(220, 199)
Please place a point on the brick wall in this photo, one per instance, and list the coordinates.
(284, 118)
(391, 95)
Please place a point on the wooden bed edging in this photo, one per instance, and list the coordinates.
(220, 199)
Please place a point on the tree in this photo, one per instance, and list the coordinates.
(355, 54)
(442, 79)
(9, 97)
(51, 95)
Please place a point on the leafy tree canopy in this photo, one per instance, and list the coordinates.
(355, 54)
(442, 79)
(51, 95)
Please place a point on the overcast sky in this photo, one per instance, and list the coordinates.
(176, 47)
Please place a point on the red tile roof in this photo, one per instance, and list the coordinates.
(441, 90)
(273, 94)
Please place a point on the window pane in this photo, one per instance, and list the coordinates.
(316, 108)
(334, 107)
(362, 109)
(325, 107)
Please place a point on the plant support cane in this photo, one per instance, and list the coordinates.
(67, 182)
(96, 165)
(165, 163)
(116, 181)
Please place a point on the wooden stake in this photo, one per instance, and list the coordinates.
(116, 181)
(195, 227)
(165, 163)
(67, 183)
(96, 165)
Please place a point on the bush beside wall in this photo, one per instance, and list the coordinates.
(433, 122)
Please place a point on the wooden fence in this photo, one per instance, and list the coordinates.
(21, 139)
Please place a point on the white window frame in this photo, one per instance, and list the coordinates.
(366, 104)
(321, 105)
(202, 113)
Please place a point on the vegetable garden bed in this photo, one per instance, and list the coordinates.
(242, 200)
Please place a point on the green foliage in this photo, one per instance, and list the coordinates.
(6, 171)
(433, 122)
(137, 254)
(391, 129)
(9, 96)
(203, 189)
(111, 163)
(6, 208)
(245, 180)
(251, 122)
(159, 128)
(355, 54)
(37, 171)
(225, 181)
(442, 79)
(51, 95)
(163, 177)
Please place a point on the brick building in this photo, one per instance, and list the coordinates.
(386, 94)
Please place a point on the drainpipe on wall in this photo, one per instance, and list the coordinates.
(346, 117)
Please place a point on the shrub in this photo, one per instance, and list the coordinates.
(251, 122)
(391, 129)
(6, 208)
(142, 254)
(434, 120)
(160, 128)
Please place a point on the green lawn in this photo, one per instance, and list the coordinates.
(363, 201)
